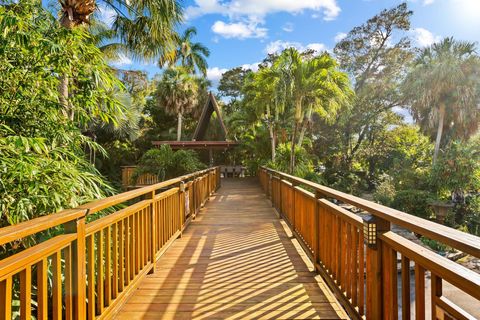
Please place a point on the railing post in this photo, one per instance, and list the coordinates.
(78, 268)
(294, 185)
(181, 204)
(153, 229)
(372, 227)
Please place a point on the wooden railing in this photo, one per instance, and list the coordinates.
(370, 271)
(88, 270)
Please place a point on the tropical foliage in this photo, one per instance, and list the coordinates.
(446, 76)
(190, 55)
(43, 167)
(166, 163)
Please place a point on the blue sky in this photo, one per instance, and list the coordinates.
(241, 32)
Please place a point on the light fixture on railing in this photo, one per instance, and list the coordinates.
(370, 231)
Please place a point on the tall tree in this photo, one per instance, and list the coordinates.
(443, 88)
(376, 55)
(311, 83)
(230, 87)
(178, 94)
(191, 55)
(261, 91)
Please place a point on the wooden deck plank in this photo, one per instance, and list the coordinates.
(235, 261)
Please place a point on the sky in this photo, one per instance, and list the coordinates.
(242, 32)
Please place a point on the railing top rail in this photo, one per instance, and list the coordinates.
(457, 239)
(27, 228)
(101, 204)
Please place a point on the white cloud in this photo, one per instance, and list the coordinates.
(288, 27)
(251, 66)
(122, 61)
(424, 2)
(214, 74)
(106, 14)
(239, 30)
(279, 45)
(424, 38)
(340, 36)
(241, 8)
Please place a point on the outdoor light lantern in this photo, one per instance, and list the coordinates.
(370, 231)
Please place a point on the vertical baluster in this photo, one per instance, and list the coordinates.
(419, 292)
(57, 286)
(99, 269)
(126, 222)
(26, 293)
(115, 261)
(137, 240)
(68, 283)
(42, 289)
(121, 255)
(108, 262)
(91, 277)
(343, 255)
(131, 249)
(6, 299)
(436, 286)
(405, 288)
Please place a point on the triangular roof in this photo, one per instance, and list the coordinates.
(210, 107)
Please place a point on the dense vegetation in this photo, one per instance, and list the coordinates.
(69, 121)
(354, 136)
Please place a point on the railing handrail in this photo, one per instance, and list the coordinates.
(36, 225)
(462, 241)
(101, 204)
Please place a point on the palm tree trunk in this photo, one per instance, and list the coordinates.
(298, 118)
(292, 150)
(302, 132)
(306, 122)
(63, 90)
(272, 142)
(438, 140)
(179, 127)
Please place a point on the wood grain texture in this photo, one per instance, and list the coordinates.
(236, 261)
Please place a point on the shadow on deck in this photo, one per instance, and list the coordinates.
(237, 260)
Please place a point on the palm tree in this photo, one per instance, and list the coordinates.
(333, 92)
(177, 93)
(312, 83)
(443, 88)
(145, 27)
(262, 92)
(191, 55)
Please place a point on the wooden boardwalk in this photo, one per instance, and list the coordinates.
(235, 261)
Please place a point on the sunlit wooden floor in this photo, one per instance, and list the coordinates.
(235, 261)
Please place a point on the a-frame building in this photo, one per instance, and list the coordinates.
(198, 140)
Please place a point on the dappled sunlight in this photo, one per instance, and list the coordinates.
(235, 261)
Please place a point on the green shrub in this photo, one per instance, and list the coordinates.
(414, 202)
(166, 163)
(385, 191)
